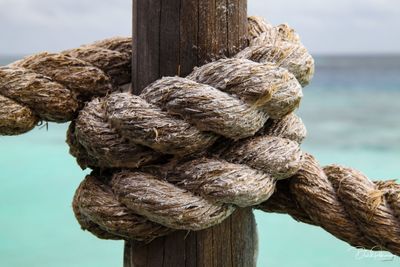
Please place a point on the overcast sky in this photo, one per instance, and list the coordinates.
(326, 26)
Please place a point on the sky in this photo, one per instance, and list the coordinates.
(326, 26)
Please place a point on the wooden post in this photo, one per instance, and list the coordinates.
(170, 37)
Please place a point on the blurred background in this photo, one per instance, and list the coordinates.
(351, 110)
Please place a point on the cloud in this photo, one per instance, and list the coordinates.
(328, 26)
(338, 26)
(28, 26)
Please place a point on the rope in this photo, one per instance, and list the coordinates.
(341, 200)
(52, 87)
(279, 45)
(188, 151)
(111, 128)
(209, 128)
(194, 194)
(101, 208)
(344, 202)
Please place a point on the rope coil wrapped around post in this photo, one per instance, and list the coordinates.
(182, 117)
(188, 151)
(219, 179)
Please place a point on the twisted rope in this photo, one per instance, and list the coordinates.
(280, 45)
(182, 117)
(188, 151)
(95, 198)
(51, 87)
(344, 202)
(179, 116)
(213, 183)
(341, 200)
(109, 129)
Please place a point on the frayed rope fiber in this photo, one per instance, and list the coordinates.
(187, 152)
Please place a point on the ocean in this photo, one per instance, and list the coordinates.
(351, 111)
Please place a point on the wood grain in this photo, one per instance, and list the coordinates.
(232, 243)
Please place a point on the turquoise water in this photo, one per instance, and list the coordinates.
(352, 114)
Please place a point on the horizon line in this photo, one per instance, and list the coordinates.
(317, 54)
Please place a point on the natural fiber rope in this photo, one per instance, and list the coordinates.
(214, 178)
(280, 45)
(51, 87)
(341, 200)
(306, 203)
(104, 125)
(244, 94)
(344, 202)
(139, 121)
(95, 198)
(198, 177)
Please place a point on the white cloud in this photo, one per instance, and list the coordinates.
(28, 26)
(326, 26)
(338, 26)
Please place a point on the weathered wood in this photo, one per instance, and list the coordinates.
(170, 37)
(230, 244)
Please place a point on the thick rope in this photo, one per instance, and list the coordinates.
(51, 87)
(344, 202)
(258, 27)
(198, 146)
(27, 93)
(280, 45)
(267, 90)
(180, 116)
(341, 200)
(230, 174)
(95, 204)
